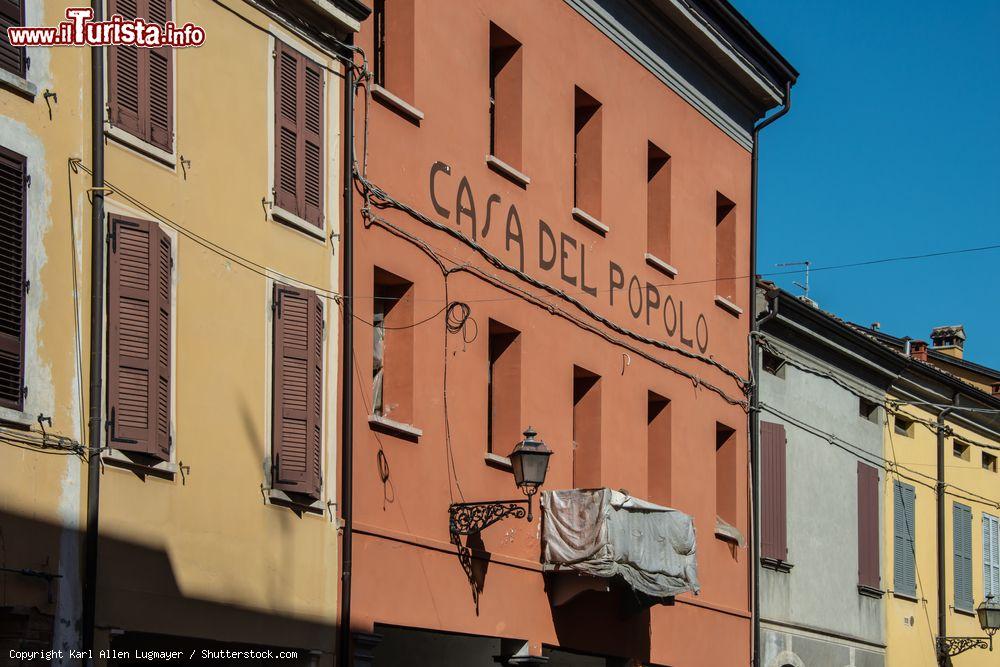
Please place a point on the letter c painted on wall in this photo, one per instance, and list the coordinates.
(435, 168)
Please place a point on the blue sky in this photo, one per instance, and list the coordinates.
(892, 148)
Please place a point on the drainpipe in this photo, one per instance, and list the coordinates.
(754, 357)
(94, 439)
(347, 378)
(942, 597)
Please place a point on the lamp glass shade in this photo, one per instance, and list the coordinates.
(530, 462)
(989, 614)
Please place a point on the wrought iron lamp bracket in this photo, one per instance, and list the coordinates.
(471, 518)
(952, 646)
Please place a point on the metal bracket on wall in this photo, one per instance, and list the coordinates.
(949, 647)
(470, 518)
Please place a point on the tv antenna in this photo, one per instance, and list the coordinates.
(804, 286)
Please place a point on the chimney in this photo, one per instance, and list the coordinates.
(918, 349)
(949, 340)
(996, 389)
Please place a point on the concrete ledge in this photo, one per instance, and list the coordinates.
(119, 459)
(396, 104)
(776, 565)
(727, 305)
(660, 265)
(282, 499)
(380, 423)
(504, 169)
(279, 214)
(497, 461)
(16, 84)
(590, 221)
(17, 417)
(149, 150)
(870, 592)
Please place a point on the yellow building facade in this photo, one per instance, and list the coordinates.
(971, 558)
(212, 524)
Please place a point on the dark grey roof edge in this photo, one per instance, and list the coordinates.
(882, 348)
(947, 358)
(356, 9)
(746, 37)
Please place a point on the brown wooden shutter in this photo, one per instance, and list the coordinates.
(160, 120)
(287, 159)
(298, 391)
(12, 58)
(128, 76)
(312, 142)
(773, 532)
(13, 277)
(139, 337)
(868, 535)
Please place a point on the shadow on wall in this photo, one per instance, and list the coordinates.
(619, 623)
(139, 600)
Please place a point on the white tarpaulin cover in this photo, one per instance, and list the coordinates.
(605, 533)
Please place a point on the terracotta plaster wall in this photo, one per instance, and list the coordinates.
(406, 572)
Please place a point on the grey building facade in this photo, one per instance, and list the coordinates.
(820, 476)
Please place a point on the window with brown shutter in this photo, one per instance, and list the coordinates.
(139, 337)
(773, 530)
(140, 80)
(868, 535)
(298, 135)
(13, 277)
(298, 392)
(12, 58)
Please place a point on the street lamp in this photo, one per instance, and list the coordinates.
(988, 613)
(529, 463)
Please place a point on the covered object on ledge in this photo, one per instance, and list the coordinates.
(607, 534)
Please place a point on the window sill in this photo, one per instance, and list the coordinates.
(12, 416)
(280, 215)
(590, 221)
(905, 596)
(776, 565)
(728, 306)
(507, 171)
(145, 148)
(19, 85)
(279, 498)
(396, 104)
(964, 612)
(119, 459)
(386, 425)
(497, 461)
(660, 265)
(870, 592)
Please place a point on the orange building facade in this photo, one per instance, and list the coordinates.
(551, 229)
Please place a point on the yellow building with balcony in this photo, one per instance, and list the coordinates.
(217, 285)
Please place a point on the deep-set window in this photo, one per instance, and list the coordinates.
(12, 58)
(503, 394)
(392, 53)
(725, 247)
(989, 462)
(960, 450)
(658, 232)
(772, 364)
(139, 337)
(141, 80)
(392, 348)
(298, 135)
(658, 448)
(868, 410)
(297, 436)
(586, 429)
(726, 474)
(13, 277)
(587, 154)
(506, 97)
(902, 426)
